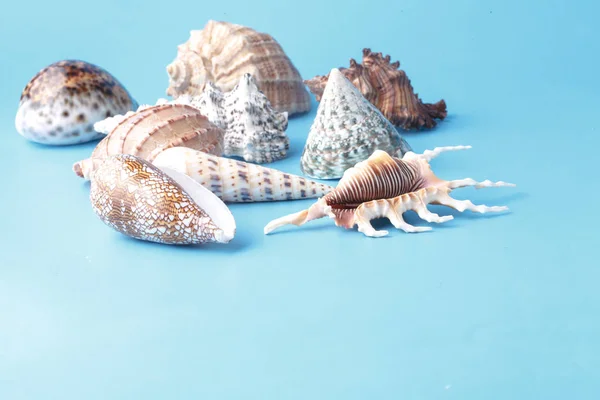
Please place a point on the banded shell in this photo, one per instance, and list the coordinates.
(385, 186)
(346, 130)
(142, 201)
(151, 130)
(61, 103)
(237, 181)
(223, 52)
(253, 130)
(389, 89)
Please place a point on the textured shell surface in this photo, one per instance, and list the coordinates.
(346, 130)
(223, 52)
(142, 201)
(150, 130)
(386, 186)
(389, 89)
(238, 181)
(61, 103)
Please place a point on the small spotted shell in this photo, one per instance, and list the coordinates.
(60, 104)
(142, 201)
(151, 130)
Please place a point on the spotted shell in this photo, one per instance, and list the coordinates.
(144, 202)
(151, 130)
(238, 181)
(223, 52)
(389, 89)
(347, 129)
(60, 105)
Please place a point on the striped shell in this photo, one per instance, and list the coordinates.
(151, 130)
(61, 103)
(223, 52)
(389, 89)
(142, 201)
(238, 181)
(385, 186)
(346, 130)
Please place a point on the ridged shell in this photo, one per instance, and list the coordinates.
(237, 181)
(61, 103)
(346, 130)
(389, 89)
(223, 52)
(142, 201)
(151, 130)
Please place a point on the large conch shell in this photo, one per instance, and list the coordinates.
(223, 52)
(346, 130)
(385, 186)
(254, 131)
(142, 201)
(61, 103)
(151, 130)
(237, 181)
(388, 88)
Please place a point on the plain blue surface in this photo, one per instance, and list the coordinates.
(501, 307)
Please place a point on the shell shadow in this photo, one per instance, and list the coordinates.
(237, 244)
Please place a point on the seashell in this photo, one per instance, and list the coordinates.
(60, 105)
(253, 130)
(388, 88)
(142, 201)
(151, 130)
(223, 52)
(346, 130)
(385, 186)
(237, 181)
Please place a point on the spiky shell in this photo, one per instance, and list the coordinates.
(142, 201)
(223, 52)
(238, 181)
(151, 130)
(61, 103)
(346, 130)
(389, 89)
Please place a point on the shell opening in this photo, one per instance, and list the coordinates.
(207, 201)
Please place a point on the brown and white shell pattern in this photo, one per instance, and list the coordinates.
(347, 129)
(60, 104)
(144, 202)
(385, 186)
(148, 132)
(223, 52)
(389, 89)
(237, 181)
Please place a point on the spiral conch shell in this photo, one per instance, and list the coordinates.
(142, 201)
(237, 181)
(346, 130)
(223, 52)
(389, 89)
(61, 103)
(385, 186)
(151, 130)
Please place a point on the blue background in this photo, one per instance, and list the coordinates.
(482, 307)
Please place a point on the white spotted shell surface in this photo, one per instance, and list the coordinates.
(238, 181)
(153, 129)
(223, 52)
(60, 105)
(144, 202)
(346, 130)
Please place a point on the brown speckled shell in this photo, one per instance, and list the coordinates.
(62, 102)
(389, 89)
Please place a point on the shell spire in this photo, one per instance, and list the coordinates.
(346, 130)
(151, 130)
(389, 89)
(223, 52)
(238, 181)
